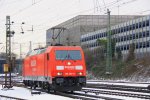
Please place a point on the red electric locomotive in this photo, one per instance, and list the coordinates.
(60, 68)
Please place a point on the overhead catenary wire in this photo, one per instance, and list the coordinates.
(91, 9)
(111, 5)
(23, 9)
(76, 13)
(106, 5)
(86, 11)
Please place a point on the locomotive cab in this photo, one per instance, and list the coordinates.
(69, 71)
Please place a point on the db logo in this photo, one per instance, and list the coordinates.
(33, 63)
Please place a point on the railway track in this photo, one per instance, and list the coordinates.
(85, 94)
(118, 82)
(119, 87)
(117, 93)
(73, 95)
(9, 98)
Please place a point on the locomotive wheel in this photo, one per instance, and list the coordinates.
(48, 89)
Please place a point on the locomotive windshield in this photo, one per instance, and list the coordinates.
(68, 55)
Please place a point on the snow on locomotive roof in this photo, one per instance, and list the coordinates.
(36, 51)
(42, 50)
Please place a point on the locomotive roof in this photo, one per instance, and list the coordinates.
(36, 51)
(42, 50)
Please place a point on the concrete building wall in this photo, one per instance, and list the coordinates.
(84, 24)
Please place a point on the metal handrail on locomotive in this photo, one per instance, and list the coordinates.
(60, 68)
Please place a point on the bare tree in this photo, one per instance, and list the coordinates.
(131, 55)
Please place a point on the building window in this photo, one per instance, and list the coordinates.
(82, 40)
(144, 44)
(147, 44)
(133, 36)
(121, 29)
(99, 35)
(128, 47)
(104, 34)
(118, 40)
(125, 47)
(137, 36)
(140, 35)
(140, 25)
(133, 26)
(121, 38)
(93, 37)
(112, 32)
(140, 45)
(125, 38)
(96, 36)
(128, 37)
(137, 46)
(147, 33)
(121, 48)
(130, 27)
(124, 29)
(90, 38)
(118, 30)
(143, 34)
(147, 22)
(86, 39)
(137, 26)
(143, 23)
(127, 28)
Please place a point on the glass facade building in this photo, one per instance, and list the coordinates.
(135, 31)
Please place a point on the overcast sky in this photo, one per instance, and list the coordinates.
(44, 14)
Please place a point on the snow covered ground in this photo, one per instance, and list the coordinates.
(24, 93)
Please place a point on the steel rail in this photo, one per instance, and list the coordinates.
(117, 82)
(119, 87)
(135, 95)
(9, 97)
(84, 96)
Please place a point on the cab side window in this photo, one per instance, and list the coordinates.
(47, 56)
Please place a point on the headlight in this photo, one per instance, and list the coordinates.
(59, 67)
(79, 73)
(59, 73)
(79, 67)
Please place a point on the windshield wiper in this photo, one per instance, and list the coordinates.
(71, 57)
(64, 58)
